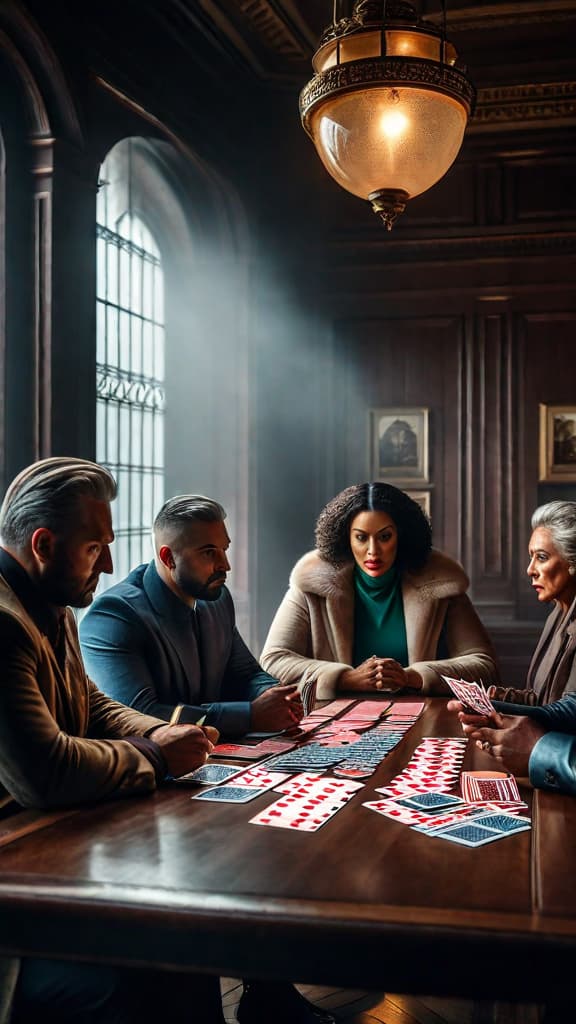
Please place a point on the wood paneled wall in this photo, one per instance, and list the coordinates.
(468, 309)
(306, 313)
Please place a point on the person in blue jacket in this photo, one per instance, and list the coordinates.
(164, 640)
(536, 742)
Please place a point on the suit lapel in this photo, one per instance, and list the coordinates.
(176, 627)
(542, 645)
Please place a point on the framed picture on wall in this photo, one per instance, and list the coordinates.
(423, 499)
(399, 445)
(558, 444)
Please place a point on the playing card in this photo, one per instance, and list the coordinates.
(308, 695)
(441, 819)
(237, 750)
(392, 809)
(506, 823)
(406, 710)
(267, 747)
(259, 778)
(475, 834)
(308, 820)
(336, 706)
(471, 695)
(209, 774)
(350, 772)
(229, 794)
(492, 786)
(298, 782)
(309, 811)
(429, 801)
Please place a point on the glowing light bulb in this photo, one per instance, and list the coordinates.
(393, 124)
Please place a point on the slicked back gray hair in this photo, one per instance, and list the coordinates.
(48, 494)
(559, 517)
(180, 512)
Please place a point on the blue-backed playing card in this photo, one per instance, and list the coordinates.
(210, 774)
(430, 801)
(229, 794)
(496, 826)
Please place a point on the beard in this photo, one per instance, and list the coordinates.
(60, 586)
(202, 591)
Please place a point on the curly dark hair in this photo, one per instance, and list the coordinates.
(333, 524)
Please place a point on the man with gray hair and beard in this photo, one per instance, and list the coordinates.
(164, 640)
(62, 741)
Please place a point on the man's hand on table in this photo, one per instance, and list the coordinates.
(278, 708)
(184, 747)
(510, 739)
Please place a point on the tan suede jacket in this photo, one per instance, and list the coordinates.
(312, 631)
(60, 737)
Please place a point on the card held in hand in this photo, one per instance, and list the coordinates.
(472, 696)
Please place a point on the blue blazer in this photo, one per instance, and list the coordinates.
(147, 649)
(552, 763)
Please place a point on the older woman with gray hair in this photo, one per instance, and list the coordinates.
(552, 571)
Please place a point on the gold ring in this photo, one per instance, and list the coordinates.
(487, 746)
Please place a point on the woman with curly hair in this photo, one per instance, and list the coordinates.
(375, 607)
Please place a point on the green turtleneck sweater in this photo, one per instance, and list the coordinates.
(379, 626)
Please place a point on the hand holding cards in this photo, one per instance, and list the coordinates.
(473, 697)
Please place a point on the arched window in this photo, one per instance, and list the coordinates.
(129, 360)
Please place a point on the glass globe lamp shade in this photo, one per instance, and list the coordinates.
(386, 127)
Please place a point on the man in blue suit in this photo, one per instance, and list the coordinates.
(164, 640)
(537, 742)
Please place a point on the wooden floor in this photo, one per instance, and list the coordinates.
(358, 1007)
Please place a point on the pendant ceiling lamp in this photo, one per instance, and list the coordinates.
(388, 105)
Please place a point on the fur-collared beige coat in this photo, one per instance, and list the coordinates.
(312, 631)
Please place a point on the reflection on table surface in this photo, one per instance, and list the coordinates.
(363, 901)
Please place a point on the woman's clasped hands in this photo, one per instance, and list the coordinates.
(380, 674)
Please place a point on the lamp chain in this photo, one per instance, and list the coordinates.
(444, 36)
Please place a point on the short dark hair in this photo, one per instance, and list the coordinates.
(179, 513)
(333, 525)
(48, 494)
(188, 508)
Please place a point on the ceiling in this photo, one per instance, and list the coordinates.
(275, 39)
(185, 57)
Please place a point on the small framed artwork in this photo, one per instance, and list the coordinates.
(423, 499)
(399, 445)
(558, 444)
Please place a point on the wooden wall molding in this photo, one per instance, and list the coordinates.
(488, 447)
(43, 319)
(479, 17)
(510, 106)
(471, 247)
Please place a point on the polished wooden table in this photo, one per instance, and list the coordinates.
(365, 901)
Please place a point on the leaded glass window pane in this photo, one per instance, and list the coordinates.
(130, 363)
